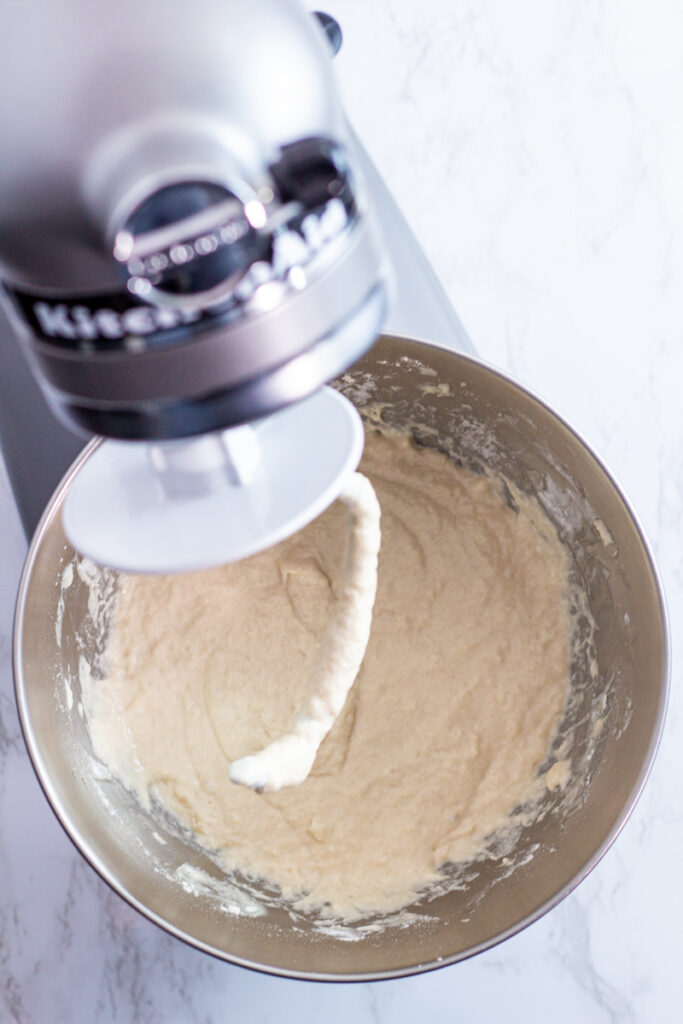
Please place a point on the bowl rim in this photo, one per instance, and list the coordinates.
(108, 876)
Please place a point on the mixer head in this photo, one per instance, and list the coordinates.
(198, 258)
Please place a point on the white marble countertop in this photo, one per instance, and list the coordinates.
(536, 148)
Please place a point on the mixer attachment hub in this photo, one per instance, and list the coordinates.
(188, 505)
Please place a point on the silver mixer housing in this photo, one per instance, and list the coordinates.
(185, 242)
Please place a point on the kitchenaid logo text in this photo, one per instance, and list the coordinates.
(82, 323)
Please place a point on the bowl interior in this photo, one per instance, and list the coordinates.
(610, 730)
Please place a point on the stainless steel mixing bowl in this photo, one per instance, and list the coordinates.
(612, 724)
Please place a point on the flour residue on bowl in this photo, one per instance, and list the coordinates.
(65, 582)
(219, 891)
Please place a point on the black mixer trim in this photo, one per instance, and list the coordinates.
(121, 320)
(104, 322)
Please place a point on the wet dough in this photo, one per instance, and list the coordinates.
(459, 696)
(288, 760)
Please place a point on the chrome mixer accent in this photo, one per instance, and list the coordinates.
(197, 244)
(202, 244)
(201, 253)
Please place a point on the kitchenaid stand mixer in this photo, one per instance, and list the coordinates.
(201, 243)
(68, 242)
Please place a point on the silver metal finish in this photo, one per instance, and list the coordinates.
(38, 448)
(198, 223)
(481, 416)
(106, 103)
(216, 358)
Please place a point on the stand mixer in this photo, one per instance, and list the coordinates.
(192, 243)
(201, 243)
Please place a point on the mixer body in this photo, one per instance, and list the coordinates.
(188, 227)
(182, 217)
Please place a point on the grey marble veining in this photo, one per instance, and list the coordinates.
(537, 150)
